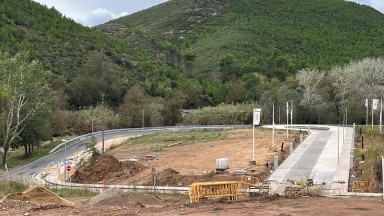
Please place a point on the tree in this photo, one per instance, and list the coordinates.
(131, 111)
(310, 81)
(28, 91)
(370, 71)
(228, 68)
(189, 58)
(38, 128)
(344, 82)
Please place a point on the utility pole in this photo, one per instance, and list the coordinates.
(143, 119)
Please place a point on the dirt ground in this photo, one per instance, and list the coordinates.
(180, 206)
(192, 162)
(181, 165)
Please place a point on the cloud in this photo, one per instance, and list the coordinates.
(100, 15)
(377, 4)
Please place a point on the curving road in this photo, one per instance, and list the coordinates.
(27, 171)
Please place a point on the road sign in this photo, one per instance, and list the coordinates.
(67, 161)
(256, 116)
(69, 168)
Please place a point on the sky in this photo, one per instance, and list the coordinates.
(94, 12)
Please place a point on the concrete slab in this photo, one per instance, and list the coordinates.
(317, 158)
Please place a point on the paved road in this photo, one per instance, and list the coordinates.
(320, 157)
(29, 170)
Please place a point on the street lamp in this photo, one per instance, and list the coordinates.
(65, 159)
(291, 112)
(65, 148)
(287, 117)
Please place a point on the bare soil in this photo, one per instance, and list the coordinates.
(181, 165)
(193, 162)
(179, 206)
(105, 168)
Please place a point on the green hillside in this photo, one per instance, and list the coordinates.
(88, 66)
(60, 43)
(225, 39)
(193, 53)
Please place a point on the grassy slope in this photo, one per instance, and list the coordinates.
(282, 34)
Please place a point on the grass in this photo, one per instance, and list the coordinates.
(7, 187)
(185, 138)
(370, 170)
(16, 158)
(73, 192)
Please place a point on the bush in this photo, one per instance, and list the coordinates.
(101, 116)
(224, 114)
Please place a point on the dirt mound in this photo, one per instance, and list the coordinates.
(38, 196)
(170, 177)
(107, 169)
(107, 194)
(132, 198)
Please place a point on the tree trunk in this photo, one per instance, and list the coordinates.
(5, 155)
(25, 150)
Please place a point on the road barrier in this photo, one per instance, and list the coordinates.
(202, 190)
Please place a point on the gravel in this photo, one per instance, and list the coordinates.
(109, 193)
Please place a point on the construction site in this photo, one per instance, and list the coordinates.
(188, 173)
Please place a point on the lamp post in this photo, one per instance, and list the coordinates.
(65, 159)
(273, 126)
(291, 112)
(142, 123)
(92, 118)
(287, 117)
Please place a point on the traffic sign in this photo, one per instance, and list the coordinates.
(256, 116)
(69, 168)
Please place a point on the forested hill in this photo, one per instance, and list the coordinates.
(228, 38)
(60, 43)
(90, 65)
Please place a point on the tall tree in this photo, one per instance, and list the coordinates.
(310, 81)
(28, 91)
(370, 72)
(189, 58)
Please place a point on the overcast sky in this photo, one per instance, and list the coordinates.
(94, 12)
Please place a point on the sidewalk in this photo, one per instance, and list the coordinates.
(317, 158)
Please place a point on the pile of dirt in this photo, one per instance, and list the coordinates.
(132, 198)
(107, 194)
(170, 177)
(107, 169)
(38, 196)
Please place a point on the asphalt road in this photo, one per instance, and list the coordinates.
(27, 171)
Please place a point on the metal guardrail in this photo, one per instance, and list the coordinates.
(89, 135)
